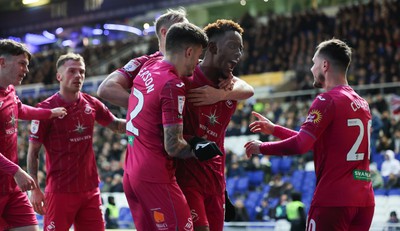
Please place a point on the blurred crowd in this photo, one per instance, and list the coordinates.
(280, 43)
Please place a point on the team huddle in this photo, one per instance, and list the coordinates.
(179, 103)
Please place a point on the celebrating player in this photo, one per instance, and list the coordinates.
(16, 213)
(338, 130)
(203, 183)
(72, 194)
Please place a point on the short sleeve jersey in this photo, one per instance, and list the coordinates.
(157, 100)
(210, 122)
(340, 121)
(9, 105)
(68, 142)
(132, 68)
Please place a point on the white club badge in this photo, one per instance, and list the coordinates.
(35, 126)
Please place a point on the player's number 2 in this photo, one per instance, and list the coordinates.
(352, 155)
(135, 112)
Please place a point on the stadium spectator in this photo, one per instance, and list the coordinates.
(155, 133)
(263, 212)
(337, 118)
(376, 177)
(390, 170)
(393, 224)
(296, 214)
(203, 183)
(16, 213)
(70, 162)
(111, 214)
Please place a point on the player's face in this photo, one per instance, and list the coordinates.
(316, 69)
(71, 75)
(229, 52)
(14, 68)
(193, 60)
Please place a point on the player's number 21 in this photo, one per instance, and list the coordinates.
(352, 155)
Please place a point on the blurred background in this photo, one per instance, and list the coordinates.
(279, 41)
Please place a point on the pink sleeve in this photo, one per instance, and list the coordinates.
(295, 145)
(283, 133)
(7, 166)
(27, 112)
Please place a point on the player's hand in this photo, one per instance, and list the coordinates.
(24, 181)
(58, 111)
(204, 95)
(263, 125)
(227, 84)
(38, 201)
(252, 148)
(230, 210)
(204, 149)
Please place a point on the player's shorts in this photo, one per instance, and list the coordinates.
(82, 209)
(206, 210)
(16, 211)
(157, 206)
(339, 218)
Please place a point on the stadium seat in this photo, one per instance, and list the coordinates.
(285, 164)
(394, 191)
(275, 164)
(125, 219)
(230, 185)
(242, 184)
(381, 191)
(256, 177)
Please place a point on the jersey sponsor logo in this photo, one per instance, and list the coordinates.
(35, 126)
(229, 103)
(315, 116)
(361, 175)
(159, 218)
(88, 109)
(181, 103)
(131, 65)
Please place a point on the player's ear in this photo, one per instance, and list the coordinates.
(189, 51)
(58, 76)
(163, 31)
(212, 47)
(325, 65)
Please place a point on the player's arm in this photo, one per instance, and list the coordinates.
(23, 180)
(26, 112)
(207, 95)
(118, 125)
(174, 143)
(114, 89)
(37, 197)
(265, 126)
(298, 144)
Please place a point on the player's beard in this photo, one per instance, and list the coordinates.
(318, 83)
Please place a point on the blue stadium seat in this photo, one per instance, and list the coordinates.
(125, 219)
(394, 191)
(285, 164)
(256, 177)
(275, 164)
(242, 184)
(381, 191)
(231, 185)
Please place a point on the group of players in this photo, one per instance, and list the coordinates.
(178, 111)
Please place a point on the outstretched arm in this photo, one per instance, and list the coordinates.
(27, 112)
(114, 89)
(298, 144)
(265, 126)
(207, 95)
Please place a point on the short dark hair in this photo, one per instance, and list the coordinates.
(169, 18)
(11, 47)
(219, 27)
(337, 51)
(69, 56)
(184, 34)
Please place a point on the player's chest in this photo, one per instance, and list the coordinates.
(217, 114)
(78, 121)
(8, 115)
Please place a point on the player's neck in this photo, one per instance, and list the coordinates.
(69, 96)
(210, 72)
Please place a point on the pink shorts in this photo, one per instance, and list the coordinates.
(81, 209)
(157, 206)
(339, 218)
(16, 211)
(207, 210)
